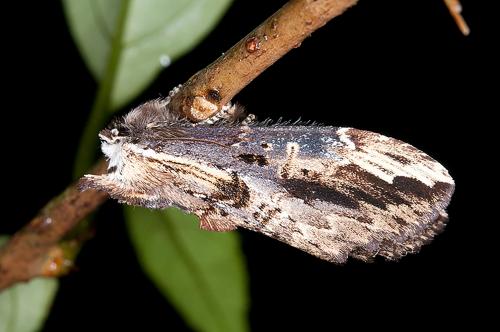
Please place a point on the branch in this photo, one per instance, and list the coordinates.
(35, 249)
(207, 91)
(455, 9)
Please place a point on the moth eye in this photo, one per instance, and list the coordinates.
(114, 132)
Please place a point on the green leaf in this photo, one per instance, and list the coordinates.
(202, 273)
(137, 37)
(126, 43)
(24, 307)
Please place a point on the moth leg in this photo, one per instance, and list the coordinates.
(173, 92)
(225, 113)
(212, 221)
(230, 113)
(250, 118)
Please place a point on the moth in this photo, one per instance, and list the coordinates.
(332, 192)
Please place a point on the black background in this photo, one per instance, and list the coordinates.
(400, 68)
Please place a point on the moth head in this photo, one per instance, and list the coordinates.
(112, 139)
(144, 125)
(114, 134)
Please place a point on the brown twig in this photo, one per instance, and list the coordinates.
(455, 9)
(207, 91)
(35, 250)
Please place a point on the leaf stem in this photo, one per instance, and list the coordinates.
(99, 114)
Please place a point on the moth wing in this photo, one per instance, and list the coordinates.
(378, 196)
(214, 222)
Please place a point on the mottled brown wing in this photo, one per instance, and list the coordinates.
(378, 196)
